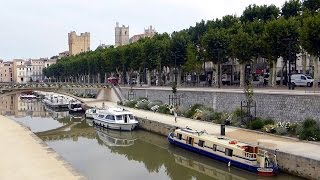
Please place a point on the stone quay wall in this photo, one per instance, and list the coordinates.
(280, 107)
(290, 163)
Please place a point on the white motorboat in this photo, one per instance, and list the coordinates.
(56, 101)
(115, 118)
(91, 112)
(27, 96)
(75, 106)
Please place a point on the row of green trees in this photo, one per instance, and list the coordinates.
(261, 31)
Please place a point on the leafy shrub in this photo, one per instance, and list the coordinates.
(292, 129)
(197, 115)
(154, 103)
(255, 124)
(309, 122)
(310, 130)
(164, 108)
(269, 128)
(142, 104)
(268, 121)
(208, 115)
(142, 98)
(218, 117)
(131, 103)
(281, 130)
(239, 113)
(192, 110)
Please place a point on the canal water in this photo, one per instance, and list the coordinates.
(105, 154)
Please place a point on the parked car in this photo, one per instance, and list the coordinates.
(113, 80)
(301, 80)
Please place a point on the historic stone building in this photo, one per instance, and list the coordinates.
(78, 44)
(121, 35)
(6, 72)
(150, 32)
(19, 71)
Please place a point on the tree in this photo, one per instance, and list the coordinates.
(311, 5)
(242, 46)
(263, 13)
(192, 64)
(279, 34)
(310, 40)
(216, 44)
(291, 8)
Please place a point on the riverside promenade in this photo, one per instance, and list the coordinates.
(287, 144)
(294, 156)
(25, 156)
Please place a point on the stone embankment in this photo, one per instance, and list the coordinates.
(25, 156)
(296, 157)
(280, 105)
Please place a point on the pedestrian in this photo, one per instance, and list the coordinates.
(175, 115)
(103, 105)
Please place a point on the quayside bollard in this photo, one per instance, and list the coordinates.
(223, 130)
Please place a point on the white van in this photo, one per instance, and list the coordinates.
(301, 80)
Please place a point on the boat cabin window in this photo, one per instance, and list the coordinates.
(214, 147)
(101, 116)
(179, 136)
(119, 117)
(190, 140)
(201, 143)
(111, 117)
(228, 152)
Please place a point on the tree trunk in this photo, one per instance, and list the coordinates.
(171, 75)
(148, 78)
(273, 73)
(242, 74)
(128, 77)
(304, 63)
(179, 77)
(216, 75)
(158, 79)
(138, 78)
(220, 74)
(316, 71)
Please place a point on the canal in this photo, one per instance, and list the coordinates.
(105, 154)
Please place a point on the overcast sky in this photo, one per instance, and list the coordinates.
(39, 28)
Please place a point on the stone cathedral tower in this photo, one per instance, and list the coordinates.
(121, 35)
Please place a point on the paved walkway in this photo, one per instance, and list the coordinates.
(24, 156)
(289, 145)
(297, 91)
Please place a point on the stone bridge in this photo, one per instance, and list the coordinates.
(104, 92)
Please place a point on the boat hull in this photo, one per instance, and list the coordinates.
(230, 162)
(89, 115)
(116, 126)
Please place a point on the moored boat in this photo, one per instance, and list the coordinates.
(238, 154)
(75, 106)
(115, 118)
(27, 96)
(91, 112)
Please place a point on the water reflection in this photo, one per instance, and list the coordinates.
(115, 138)
(108, 154)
